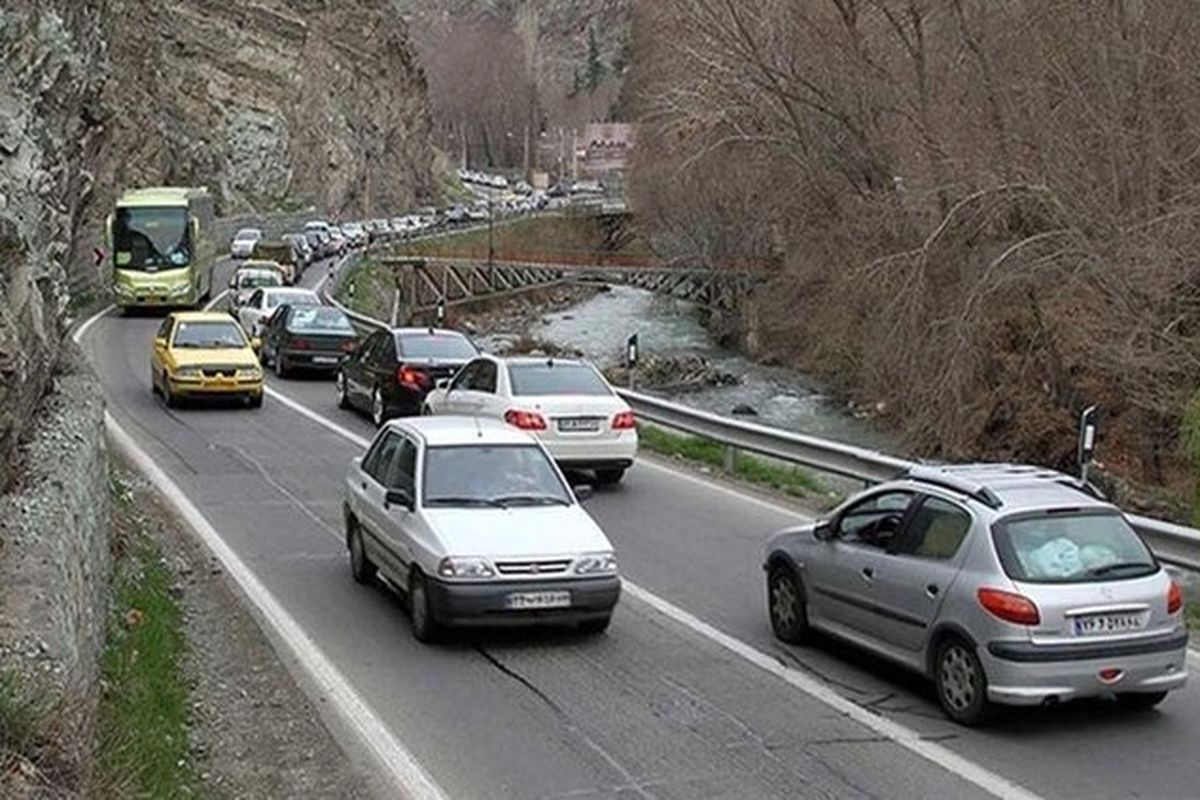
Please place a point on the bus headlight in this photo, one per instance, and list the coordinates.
(182, 288)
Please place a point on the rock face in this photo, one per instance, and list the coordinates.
(269, 103)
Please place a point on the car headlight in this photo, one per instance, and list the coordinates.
(596, 564)
(250, 373)
(182, 288)
(465, 567)
(123, 290)
(187, 372)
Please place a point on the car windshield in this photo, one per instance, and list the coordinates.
(252, 280)
(556, 378)
(248, 235)
(491, 475)
(436, 345)
(150, 239)
(208, 334)
(275, 299)
(1071, 548)
(319, 319)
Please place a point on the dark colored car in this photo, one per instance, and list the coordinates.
(392, 372)
(310, 337)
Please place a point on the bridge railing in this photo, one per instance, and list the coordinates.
(1174, 544)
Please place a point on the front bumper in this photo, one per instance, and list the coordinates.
(1020, 673)
(214, 388)
(486, 603)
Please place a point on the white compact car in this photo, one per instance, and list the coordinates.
(243, 242)
(263, 302)
(566, 404)
(474, 522)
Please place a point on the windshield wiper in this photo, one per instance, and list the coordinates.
(1120, 565)
(531, 499)
(463, 501)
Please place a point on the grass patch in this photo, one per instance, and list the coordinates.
(368, 290)
(794, 481)
(20, 716)
(144, 708)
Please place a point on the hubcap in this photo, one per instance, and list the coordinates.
(377, 408)
(958, 678)
(340, 384)
(783, 602)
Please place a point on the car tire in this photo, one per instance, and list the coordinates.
(339, 383)
(595, 627)
(168, 396)
(378, 408)
(424, 626)
(426, 411)
(961, 683)
(361, 567)
(1140, 701)
(786, 605)
(609, 477)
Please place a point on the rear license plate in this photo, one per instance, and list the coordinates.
(1101, 624)
(325, 359)
(579, 424)
(523, 601)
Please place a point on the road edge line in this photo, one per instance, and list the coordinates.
(393, 759)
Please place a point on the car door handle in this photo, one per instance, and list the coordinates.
(868, 574)
(932, 590)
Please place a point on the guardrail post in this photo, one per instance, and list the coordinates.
(730, 462)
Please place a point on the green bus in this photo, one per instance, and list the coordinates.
(161, 240)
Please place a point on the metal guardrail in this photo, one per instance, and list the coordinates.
(1174, 544)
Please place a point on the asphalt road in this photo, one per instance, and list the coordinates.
(655, 708)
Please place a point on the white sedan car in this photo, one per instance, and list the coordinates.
(243, 242)
(566, 404)
(475, 523)
(263, 302)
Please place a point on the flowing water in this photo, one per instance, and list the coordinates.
(781, 397)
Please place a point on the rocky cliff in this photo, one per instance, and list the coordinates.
(270, 103)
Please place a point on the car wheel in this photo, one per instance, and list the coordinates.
(378, 409)
(424, 626)
(595, 627)
(786, 606)
(339, 383)
(361, 566)
(609, 477)
(1140, 701)
(961, 683)
(281, 368)
(168, 396)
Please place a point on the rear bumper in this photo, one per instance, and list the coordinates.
(594, 453)
(1020, 673)
(309, 359)
(486, 603)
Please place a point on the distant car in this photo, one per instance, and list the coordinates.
(356, 234)
(338, 242)
(243, 242)
(248, 277)
(1002, 584)
(393, 370)
(475, 523)
(479, 212)
(558, 190)
(204, 354)
(566, 404)
(456, 215)
(277, 254)
(304, 255)
(314, 338)
(263, 302)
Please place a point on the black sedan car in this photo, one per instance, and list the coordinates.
(310, 337)
(393, 370)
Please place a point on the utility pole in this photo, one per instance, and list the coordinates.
(491, 246)
(574, 155)
(525, 168)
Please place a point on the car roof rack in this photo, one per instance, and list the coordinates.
(980, 481)
(948, 478)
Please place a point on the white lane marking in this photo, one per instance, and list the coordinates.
(394, 760)
(907, 738)
(211, 303)
(77, 336)
(682, 474)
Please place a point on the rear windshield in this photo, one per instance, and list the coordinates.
(1071, 548)
(253, 280)
(436, 346)
(551, 378)
(248, 233)
(319, 319)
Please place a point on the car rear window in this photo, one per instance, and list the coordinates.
(319, 319)
(436, 346)
(551, 378)
(1071, 548)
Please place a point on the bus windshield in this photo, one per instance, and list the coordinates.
(150, 239)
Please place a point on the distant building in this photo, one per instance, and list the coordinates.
(605, 150)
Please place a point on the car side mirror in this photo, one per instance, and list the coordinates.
(442, 383)
(824, 530)
(583, 492)
(398, 497)
(160, 343)
(256, 345)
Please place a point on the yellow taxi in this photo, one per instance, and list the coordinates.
(205, 354)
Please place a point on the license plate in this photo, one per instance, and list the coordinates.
(522, 601)
(325, 360)
(1101, 624)
(579, 424)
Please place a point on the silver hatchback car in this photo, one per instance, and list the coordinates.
(1003, 584)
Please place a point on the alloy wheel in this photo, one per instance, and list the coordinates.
(377, 412)
(783, 602)
(959, 678)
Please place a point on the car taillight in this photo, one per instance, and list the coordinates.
(1174, 598)
(525, 420)
(407, 376)
(1009, 606)
(624, 421)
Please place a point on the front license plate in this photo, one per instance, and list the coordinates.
(579, 424)
(325, 359)
(523, 601)
(1101, 624)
